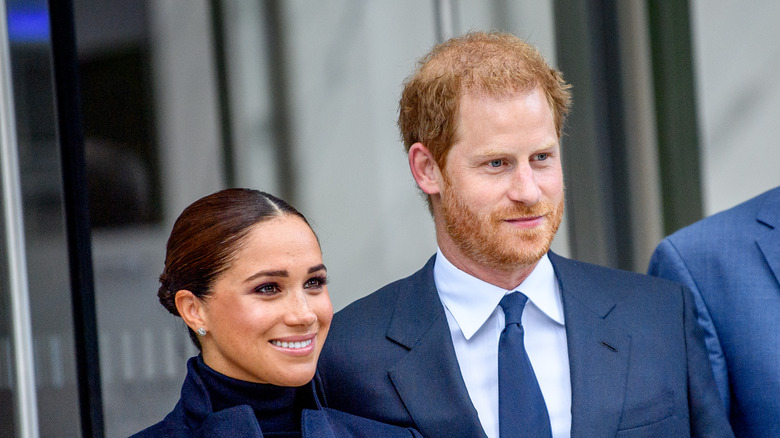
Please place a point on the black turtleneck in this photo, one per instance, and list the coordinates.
(277, 408)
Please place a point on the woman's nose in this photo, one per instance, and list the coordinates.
(300, 312)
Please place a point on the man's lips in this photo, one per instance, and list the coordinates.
(526, 222)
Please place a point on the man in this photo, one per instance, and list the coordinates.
(610, 351)
(731, 262)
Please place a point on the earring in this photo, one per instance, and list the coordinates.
(201, 332)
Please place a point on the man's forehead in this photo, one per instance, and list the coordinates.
(511, 91)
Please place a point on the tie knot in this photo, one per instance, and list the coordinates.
(513, 305)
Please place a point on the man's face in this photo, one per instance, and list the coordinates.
(502, 188)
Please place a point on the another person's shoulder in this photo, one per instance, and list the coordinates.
(728, 224)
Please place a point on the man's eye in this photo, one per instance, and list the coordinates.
(541, 157)
(496, 163)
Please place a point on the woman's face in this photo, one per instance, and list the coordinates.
(269, 312)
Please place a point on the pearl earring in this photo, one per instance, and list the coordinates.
(201, 332)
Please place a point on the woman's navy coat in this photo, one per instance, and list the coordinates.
(192, 417)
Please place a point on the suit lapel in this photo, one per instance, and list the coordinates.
(598, 350)
(770, 242)
(428, 378)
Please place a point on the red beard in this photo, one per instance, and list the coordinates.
(487, 240)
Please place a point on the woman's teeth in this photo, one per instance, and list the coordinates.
(292, 345)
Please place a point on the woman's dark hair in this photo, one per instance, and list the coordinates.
(206, 237)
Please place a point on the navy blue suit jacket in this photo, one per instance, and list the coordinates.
(637, 358)
(731, 262)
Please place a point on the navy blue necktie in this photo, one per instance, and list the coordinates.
(521, 408)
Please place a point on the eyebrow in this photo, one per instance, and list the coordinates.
(320, 267)
(492, 152)
(283, 273)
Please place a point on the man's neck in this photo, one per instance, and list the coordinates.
(505, 279)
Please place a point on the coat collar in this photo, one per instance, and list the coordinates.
(195, 405)
(598, 348)
(198, 416)
(770, 241)
(419, 324)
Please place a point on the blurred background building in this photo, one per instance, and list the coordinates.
(116, 114)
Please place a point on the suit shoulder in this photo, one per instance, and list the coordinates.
(382, 301)
(729, 225)
(379, 301)
(369, 316)
(600, 287)
(609, 276)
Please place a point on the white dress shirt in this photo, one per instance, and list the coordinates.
(476, 322)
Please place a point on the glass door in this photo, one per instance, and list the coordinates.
(38, 385)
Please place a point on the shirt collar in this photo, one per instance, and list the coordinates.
(471, 301)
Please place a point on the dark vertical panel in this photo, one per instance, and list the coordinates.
(594, 144)
(280, 99)
(76, 215)
(619, 177)
(223, 90)
(675, 102)
(122, 155)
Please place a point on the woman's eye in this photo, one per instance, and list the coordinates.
(314, 283)
(496, 163)
(267, 289)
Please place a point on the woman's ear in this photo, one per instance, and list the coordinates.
(424, 169)
(190, 309)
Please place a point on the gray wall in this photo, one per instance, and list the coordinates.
(737, 61)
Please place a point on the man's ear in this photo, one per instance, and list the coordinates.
(424, 169)
(190, 309)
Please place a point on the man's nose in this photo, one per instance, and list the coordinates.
(524, 188)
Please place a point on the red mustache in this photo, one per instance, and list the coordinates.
(523, 211)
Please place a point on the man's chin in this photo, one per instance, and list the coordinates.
(507, 260)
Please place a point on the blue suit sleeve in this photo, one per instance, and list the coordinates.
(667, 263)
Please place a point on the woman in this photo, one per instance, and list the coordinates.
(244, 271)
